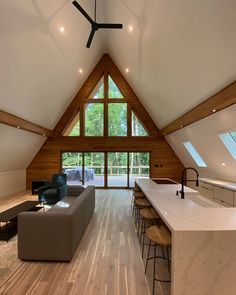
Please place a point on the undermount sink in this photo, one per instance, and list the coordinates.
(201, 201)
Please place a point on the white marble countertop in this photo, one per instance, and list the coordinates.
(185, 214)
(220, 182)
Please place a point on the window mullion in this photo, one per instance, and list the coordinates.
(105, 104)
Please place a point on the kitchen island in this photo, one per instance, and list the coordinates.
(203, 239)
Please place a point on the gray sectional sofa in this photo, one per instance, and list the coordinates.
(54, 235)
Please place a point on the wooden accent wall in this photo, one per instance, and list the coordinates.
(48, 160)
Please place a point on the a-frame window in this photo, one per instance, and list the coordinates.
(106, 112)
(113, 90)
(98, 91)
(137, 127)
(74, 127)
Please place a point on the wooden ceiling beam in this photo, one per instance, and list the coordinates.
(221, 100)
(17, 122)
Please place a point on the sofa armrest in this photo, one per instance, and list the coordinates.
(45, 236)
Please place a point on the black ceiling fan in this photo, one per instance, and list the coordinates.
(95, 26)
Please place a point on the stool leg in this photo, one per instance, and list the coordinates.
(149, 246)
(144, 231)
(163, 252)
(136, 216)
(133, 213)
(168, 257)
(139, 218)
(154, 271)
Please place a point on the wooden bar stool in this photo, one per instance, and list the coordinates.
(160, 236)
(140, 203)
(136, 189)
(136, 195)
(149, 217)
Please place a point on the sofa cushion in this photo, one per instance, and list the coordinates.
(74, 190)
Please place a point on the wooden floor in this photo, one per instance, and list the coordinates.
(107, 261)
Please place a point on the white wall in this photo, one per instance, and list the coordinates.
(17, 149)
(12, 182)
(204, 136)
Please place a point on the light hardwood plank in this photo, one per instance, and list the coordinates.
(107, 260)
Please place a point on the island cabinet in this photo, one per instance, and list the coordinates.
(206, 190)
(203, 238)
(219, 191)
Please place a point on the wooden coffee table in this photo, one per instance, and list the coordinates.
(9, 217)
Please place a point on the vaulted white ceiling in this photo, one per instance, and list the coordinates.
(178, 54)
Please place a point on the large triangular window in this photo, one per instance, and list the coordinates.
(113, 90)
(137, 127)
(106, 112)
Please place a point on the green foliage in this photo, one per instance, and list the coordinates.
(117, 115)
(117, 119)
(98, 91)
(113, 91)
(76, 130)
(137, 127)
(94, 117)
(71, 159)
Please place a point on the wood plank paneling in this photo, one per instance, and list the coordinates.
(14, 121)
(107, 260)
(104, 66)
(164, 162)
(47, 161)
(223, 99)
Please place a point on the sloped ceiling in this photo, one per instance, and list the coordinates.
(179, 53)
(39, 68)
(41, 63)
(204, 135)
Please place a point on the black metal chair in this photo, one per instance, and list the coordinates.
(57, 190)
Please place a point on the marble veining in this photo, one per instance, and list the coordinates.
(185, 214)
(203, 247)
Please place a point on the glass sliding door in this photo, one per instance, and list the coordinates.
(105, 169)
(139, 166)
(117, 169)
(94, 169)
(72, 165)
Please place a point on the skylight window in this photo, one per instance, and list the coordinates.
(229, 140)
(233, 134)
(195, 155)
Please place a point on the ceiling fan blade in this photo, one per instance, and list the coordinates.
(80, 8)
(90, 39)
(110, 26)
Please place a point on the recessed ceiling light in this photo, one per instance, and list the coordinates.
(62, 29)
(223, 164)
(80, 71)
(214, 110)
(18, 127)
(181, 126)
(127, 70)
(131, 28)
